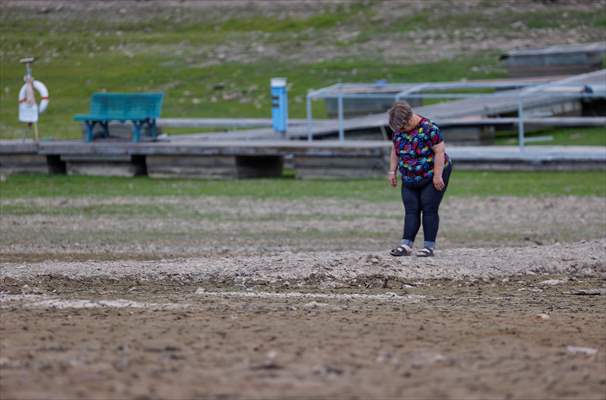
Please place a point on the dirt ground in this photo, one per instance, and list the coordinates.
(171, 227)
(252, 299)
(438, 339)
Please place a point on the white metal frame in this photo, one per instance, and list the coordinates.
(560, 88)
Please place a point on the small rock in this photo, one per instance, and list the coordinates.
(314, 304)
(543, 316)
(551, 282)
(384, 357)
(200, 291)
(581, 350)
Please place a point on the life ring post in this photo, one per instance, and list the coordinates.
(29, 111)
(28, 61)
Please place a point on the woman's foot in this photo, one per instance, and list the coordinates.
(401, 250)
(425, 252)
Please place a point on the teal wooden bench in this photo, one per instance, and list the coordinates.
(142, 109)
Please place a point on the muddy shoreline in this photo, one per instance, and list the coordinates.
(220, 298)
(520, 339)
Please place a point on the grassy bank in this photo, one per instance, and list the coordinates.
(226, 90)
(207, 66)
(463, 184)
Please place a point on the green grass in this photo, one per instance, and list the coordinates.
(538, 19)
(563, 136)
(191, 91)
(79, 56)
(463, 184)
(177, 51)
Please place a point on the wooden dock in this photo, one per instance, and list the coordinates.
(563, 59)
(262, 153)
(253, 159)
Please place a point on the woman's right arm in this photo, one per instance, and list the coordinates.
(393, 164)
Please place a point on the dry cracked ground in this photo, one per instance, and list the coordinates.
(214, 297)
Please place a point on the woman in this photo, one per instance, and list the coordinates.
(419, 153)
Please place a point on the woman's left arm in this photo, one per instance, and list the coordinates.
(438, 165)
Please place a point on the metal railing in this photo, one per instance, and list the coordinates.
(522, 95)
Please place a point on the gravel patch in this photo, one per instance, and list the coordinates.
(338, 269)
(192, 227)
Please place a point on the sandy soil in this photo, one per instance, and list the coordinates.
(180, 298)
(521, 339)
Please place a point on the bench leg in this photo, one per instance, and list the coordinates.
(90, 125)
(136, 131)
(105, 126)
(152, 128)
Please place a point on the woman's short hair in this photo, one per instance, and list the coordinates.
(399, 115)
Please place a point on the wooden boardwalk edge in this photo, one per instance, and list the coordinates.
(266, 159)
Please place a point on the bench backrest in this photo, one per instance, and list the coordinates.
(124, 106)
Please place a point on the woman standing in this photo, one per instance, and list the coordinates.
(419, 153)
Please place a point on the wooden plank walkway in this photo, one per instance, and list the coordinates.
(286, 147)
(568, 59)
(247, 159)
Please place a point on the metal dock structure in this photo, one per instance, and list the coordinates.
(554, 97)
(516, 104)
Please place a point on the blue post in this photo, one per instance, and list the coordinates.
(279, 105)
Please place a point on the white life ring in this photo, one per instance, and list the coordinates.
(39, 86)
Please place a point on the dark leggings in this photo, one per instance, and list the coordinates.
(425, 199)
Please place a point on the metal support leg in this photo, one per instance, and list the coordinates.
(105, 125)
(521, 123)
(310, 134)
(152, 128)
(341, 129)
(136, 131)
(89, 131)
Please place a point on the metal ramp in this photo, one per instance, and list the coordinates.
(546, 97)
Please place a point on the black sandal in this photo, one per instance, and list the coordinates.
(401, 250)
(425, 252)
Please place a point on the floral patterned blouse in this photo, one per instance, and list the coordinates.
(414, 151)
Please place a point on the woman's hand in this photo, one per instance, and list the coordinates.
(438, 168)
(393, 179)
(438, 183)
